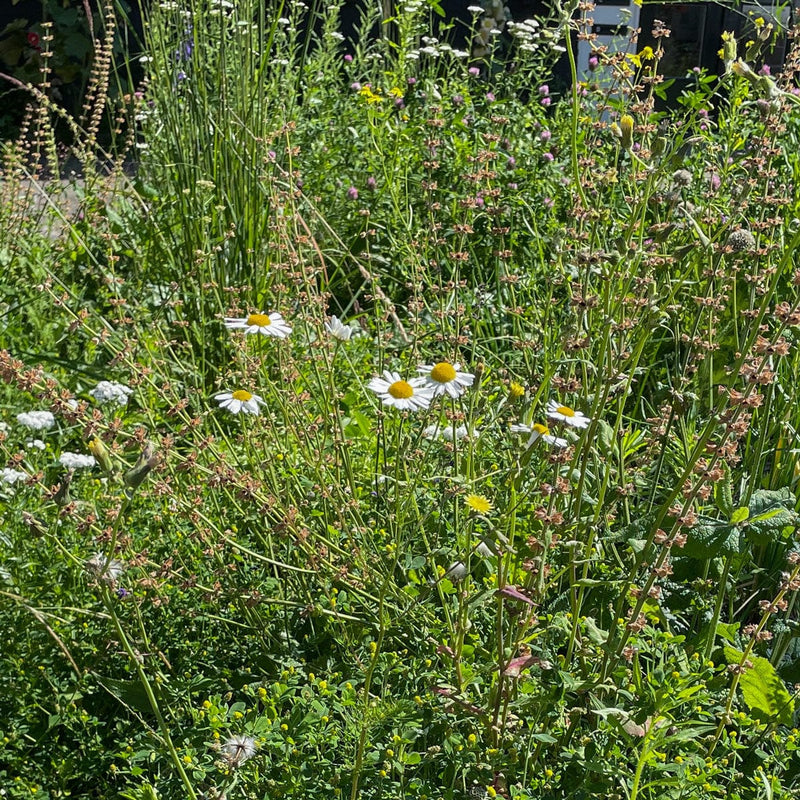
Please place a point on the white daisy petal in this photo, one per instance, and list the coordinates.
(445, 378)
(338, 330)
(542, 432)
(240, 401)
(411, 395)
(567, 415)
(272, 324)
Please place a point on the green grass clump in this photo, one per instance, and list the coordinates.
(406, 427)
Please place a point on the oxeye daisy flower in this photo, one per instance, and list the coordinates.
(538, 431)
(444, 378)
(478, 503)
(267, 324)
(575, 419)
(338, 330)
(412, 395)
(240, 400)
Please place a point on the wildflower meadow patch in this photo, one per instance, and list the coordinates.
(410, 423)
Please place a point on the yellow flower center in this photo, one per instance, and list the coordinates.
(443, 372)
(241, 394)
(542, 430)
(262, 320)
(401, 390)
(566, 411)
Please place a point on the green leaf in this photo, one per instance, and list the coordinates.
(710, 539)
(740, 515)
(770, 512)
(763, 691)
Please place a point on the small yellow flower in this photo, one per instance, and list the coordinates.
(395, 92)
(370, 96)
(516, 390)
(478, 503)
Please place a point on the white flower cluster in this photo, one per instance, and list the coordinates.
(111, 392)
(434, 48)
(526, 34)
(76, 461)
(11, 476)
(36, 420)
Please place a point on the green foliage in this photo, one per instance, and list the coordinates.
(551, 581)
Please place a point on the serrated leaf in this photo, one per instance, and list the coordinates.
(710, 539)
(770, 512)
(740, 515)
(763, 691)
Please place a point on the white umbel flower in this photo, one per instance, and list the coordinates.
(266, 324)
(111, 392)
(338, 330)
(538, 431)
(575, 419)
(76, 461)
(411, 395)
(12, 476)
(240, 400)
(444, 378)
(36, 420)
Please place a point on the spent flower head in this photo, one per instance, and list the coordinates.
(237, 749)
(108, 570)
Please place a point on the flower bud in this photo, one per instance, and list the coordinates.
(134, 477)
(626, 131)
(101, 455)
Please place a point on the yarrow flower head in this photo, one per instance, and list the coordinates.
(575, 419)
(539, 431)
(240, 400)
(238, 749)
(478, 503)
(12, 476)
(411, 395)
(266, 324)
(76, 461)
(111, 392)
(338, 330)
(444, 378)
(36, 420)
